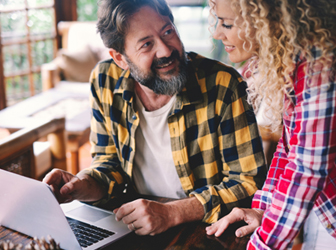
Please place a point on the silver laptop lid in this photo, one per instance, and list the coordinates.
(28, 206)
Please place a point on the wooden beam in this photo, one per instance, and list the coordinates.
(40, 7)
(66, 10)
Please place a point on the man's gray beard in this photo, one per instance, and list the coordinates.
(160, 86)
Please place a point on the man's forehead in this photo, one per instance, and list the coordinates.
(146, 20)
(145, 10)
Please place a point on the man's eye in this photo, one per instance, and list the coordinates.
(227, 26)
(146, 45)
(168, 32)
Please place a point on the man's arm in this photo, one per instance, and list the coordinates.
(151, 217)
(147, 217)
(243, 169)
(106, 166)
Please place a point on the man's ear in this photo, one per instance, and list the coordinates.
(119, 59)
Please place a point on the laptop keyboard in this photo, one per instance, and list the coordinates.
(87, 234)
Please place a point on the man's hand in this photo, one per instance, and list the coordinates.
(68, 187)
(251, 216)
(151, 217)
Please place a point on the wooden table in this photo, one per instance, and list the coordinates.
(31, 111)
(185, 236)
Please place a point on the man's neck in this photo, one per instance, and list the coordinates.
(149, 99)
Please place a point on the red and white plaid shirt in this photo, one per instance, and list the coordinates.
(302, 175)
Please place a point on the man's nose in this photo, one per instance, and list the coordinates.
(162, 49)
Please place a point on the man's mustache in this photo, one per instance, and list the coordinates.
(164, 60)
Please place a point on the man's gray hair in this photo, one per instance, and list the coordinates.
(113, 19)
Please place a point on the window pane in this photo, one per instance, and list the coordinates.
(41, 22)
(24, 87)
(15, 59)
(37, 83)
(192, 25)
(11, 4)
(34, 3)
(17, 89)
(42, 52)
(87, 10)
(13, 26)
(22, 79)
(10, 90)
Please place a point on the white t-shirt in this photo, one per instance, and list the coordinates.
(154, 172)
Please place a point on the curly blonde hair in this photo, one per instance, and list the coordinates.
(283, 28)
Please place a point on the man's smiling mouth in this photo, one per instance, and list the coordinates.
(164, 65)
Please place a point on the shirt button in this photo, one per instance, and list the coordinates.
(134, 117)
(329, 226)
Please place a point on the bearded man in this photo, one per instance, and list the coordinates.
(166, 123)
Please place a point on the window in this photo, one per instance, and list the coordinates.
(87, 10)
(28, 39)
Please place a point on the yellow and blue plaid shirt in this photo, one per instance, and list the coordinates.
(216, 147)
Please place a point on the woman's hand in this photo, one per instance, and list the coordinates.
(251, 216)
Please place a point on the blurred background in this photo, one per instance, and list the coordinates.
(29, 38)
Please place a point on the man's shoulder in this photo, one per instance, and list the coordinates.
(211, 70)
(204, 66)
(107, 74)
(109, 68)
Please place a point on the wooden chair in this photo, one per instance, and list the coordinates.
(16, 150)
(82, 49)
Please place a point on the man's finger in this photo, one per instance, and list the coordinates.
(124, 210)
(52, 177)
(71, 186)
(60, 198)
(66, 189)
(142, 231)
(129, 218)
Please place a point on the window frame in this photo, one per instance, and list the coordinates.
(64, 10)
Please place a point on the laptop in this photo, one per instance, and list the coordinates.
(29, 206)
